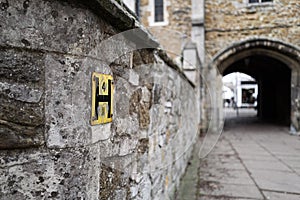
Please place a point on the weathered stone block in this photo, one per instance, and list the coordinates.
(22, 66)
(22, 98)
(44, 174)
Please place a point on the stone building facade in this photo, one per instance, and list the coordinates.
(261, 39)
(48, 147)
(229, 22)
(226, 33)
(174, 29)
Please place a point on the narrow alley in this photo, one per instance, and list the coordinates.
(126, 99)
(252, 160)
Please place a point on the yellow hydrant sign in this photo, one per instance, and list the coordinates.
(102, 98)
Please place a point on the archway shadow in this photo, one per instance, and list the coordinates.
(246, 118)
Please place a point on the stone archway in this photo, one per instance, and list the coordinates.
(277, 65)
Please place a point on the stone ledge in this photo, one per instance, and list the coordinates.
(163, 55)
(123, 19)
(119, 16)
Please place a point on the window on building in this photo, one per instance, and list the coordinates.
(159, 10)
(260, 1)
(137, 8)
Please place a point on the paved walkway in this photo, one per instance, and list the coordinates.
(251, 161)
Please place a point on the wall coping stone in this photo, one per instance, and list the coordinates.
(123, 19)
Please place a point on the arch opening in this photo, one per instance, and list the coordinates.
(275, 67)
(273, 79)
(239, 91)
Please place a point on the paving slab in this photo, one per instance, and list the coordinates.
(277, 180)
(230, 190)
(297, 170)
(292, 163)
(209, 197)
(257, 157)
(224, 162)
(252, 160)
(266, 165)
(230, 177)
(231, 165)
(288, 157)
(280, 196)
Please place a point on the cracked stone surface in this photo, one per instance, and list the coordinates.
(252, 160)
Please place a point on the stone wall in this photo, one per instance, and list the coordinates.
(228, 21)
(49, 150)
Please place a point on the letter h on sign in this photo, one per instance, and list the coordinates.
(102, 98)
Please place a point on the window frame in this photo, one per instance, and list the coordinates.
(159, 7)
(152, 21)
(259, 3)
